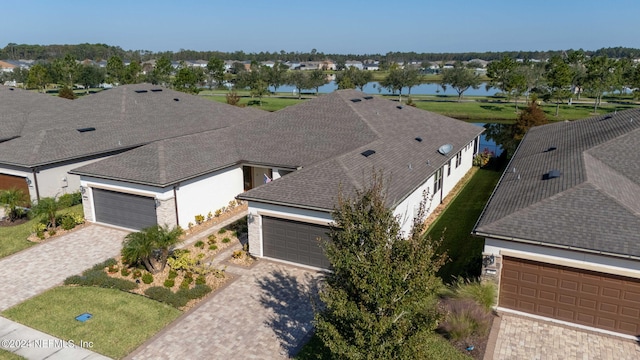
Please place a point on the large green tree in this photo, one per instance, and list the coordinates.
(300, 80)
(188, 79)
(256, 80)
(115, 70)
(559, 76)
(161, 72)
(90, 76)
(399, 78)
(277, 75)
(460, 79)
(215, 71)
(600, 77)
(380, 298)
(66, 70)
(39, 76)
(353, 78)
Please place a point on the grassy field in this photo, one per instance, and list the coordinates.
(455, 224)
(14, 238)
(121, 321)
(7, 355)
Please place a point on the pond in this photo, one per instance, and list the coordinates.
(422, 89)
(488, 144)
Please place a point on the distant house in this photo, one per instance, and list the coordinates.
(355, 64)
(6, 67)
(371, 66)
(562, 229)
(327, 65)
(268, 63)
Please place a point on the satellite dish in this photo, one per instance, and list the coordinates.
(445, 149)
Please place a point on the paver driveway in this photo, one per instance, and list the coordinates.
(34, 270)
(527, 338)
(265, 313)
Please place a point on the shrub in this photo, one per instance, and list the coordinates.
(209, 215)
(67, 93)
(147, 278)
(68, 222)
(218, 213)
(222, 231)
(482, 293)
(93, 277)
(167, 296)
(190, 225)
(465, 318)
(52, 232)
(104, 264)
(69, 200)
(112, 269)
(226, 240)
(172, 274)
(125, 271)
(186, 282)
(199, 219)
(198, 291)
(169, 283)
(213, 247)
(237, 254)
(199, 244)
(137, 273)
(201, 280)
(211, 239)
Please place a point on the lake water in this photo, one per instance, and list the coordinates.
(488, 144)
(422, 89)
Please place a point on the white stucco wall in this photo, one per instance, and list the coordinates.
(51, 183)
(208, 193)
(257, 210)
(450, 181)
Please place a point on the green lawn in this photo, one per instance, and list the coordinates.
(14, 238)
(463, 249)
(8, 355)
(121, 321)
(269, 103)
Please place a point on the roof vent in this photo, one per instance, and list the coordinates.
(11, 89)
(176, 99)
(607, 117)
(141, 91)
(418, 139)
(445, 149)
(399, 106)
(156, 90)
(552, 174)
(551, 148)
(87, 129)
(356, 100)
(368, 97)
(368, 153)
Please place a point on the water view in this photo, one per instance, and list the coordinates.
(422, 89)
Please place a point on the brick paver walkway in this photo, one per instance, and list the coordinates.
(42, 267)
(265, 313)
(527, 338)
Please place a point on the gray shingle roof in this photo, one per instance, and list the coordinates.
(595, 203)
(45, 127)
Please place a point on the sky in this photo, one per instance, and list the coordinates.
(332, 27)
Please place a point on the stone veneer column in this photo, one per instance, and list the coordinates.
(254, 223)
(86, 206)
(491, 272)
(166, 213)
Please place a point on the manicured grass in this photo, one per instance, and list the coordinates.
(8, 355)
(269, 103)
(14, 238)
(121, 321)
(456, 223)
(439, 348)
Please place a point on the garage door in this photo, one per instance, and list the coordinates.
(10, 181)
(126, 210)
(584, 297)
(294, 241)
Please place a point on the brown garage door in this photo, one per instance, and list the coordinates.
(579, 296)
(10, 181)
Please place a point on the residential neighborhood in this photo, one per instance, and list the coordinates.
(151, 196)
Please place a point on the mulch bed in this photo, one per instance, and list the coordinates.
(6, 223)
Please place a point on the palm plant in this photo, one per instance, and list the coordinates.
(150, 246)
(47, 208)
(13, 199)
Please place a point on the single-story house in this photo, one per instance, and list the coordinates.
(289, 166)
(562, 229)
(43, 137)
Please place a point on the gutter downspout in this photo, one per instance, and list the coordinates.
(175, 203)
(35, 182)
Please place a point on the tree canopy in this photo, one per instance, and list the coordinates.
(380, 297)
(460, 79)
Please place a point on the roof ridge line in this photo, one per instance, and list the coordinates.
(346, 171)
(162, 162)
(371, 127)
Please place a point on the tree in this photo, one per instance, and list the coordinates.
(600, 77)
(67, 70)
(90, 76)
(187, 79)
(558, 79)
(530, 116)
(150, 246)
(499, 73)
(47, 208)
(277, 75)
(460, 79)
(317, 78)
(353, 78)
(399, 78)
(115, 70)
(255, 80)
(13, 200)
(300, 80)
(381, 296)
(215, 71)
(131, 74)
(38, 77)
(576, 60)
(162, 71)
